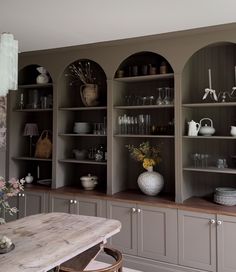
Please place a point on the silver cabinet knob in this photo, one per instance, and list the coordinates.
(71, 201)
(133, 210)
(212, 221)
(139, 210)
(75, 201)
(19, 194)
(219, 222)
(23, 195)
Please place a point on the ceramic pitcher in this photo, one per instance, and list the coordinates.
(89, 94)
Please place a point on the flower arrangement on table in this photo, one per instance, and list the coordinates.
(145, 153)
(8, 189)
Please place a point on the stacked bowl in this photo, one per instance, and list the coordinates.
(225, 196)
(82, 128)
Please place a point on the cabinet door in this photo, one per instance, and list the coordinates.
(90, 207)
(126, 239)
(31, 203)
(197, 240)
(157, 233)
(62, 203)
(226, 243)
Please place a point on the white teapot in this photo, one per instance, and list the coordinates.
(206, 130)
(193, 128)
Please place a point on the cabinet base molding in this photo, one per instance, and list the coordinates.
(148, 265)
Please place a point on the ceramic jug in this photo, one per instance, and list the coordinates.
(206, 130)
(233, 131)
(193, 128)
(89, 94)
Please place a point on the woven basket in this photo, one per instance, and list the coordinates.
(44, 146)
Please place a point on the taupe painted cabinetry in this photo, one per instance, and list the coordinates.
(207, 241)
(147, 231)
(197, 240)
(226, 243)
(28, 203)
(76, 205)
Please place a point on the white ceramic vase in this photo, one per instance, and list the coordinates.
(150, 182)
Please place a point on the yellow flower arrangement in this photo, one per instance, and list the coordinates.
(148, 155)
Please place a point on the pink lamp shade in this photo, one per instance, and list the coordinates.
(31, 129)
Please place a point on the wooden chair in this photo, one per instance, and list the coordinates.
(71, 266)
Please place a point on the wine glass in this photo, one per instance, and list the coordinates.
(167, 98)
(159, 100)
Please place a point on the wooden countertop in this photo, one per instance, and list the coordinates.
(44, 241)
(198, 204)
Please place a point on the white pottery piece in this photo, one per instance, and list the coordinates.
(193, 128)
(150, 182)
(43, 77)
(29, 178)
(206, 130)
(89, 182)
(233, 131)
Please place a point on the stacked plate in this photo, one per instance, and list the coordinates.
(225, 196)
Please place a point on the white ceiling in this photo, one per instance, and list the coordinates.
(44, 24)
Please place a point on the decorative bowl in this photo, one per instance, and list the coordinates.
(89, 182)
(225, 191)
(82, 127)
(225, 200)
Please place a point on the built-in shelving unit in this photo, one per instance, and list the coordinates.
(201, 181)
(71, 109)
(25, 106)
(135, 99)
(129, 77)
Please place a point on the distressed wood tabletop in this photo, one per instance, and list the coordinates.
(44, 241)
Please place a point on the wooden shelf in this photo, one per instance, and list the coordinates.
(143, 136)
(82, 108)
(212, 170)
(31, 159)
(211, 137)
(81, 135)
(145, 78)
(141, 107)
(33, 110)
(204, 105)
(30, 86)
(83, 161)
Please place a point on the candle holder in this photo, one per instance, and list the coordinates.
(209, 91)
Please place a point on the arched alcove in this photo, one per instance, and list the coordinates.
(77, 74)
(73, 109)
(207, 98)
(29, 73)
(139, 80)
(220, 58)
(31, 104)
(142, 64)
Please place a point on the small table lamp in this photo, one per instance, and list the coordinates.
(31, 129)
